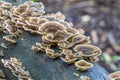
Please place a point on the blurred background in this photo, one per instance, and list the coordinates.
(99, 18)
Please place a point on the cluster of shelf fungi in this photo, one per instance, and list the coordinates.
(59, 38)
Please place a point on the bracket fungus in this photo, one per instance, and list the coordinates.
(83, 65)
(16, 67)
(51, 53)
(115, 75)
(43, 46)
(51, 27)
(24, 16)
(6, 5)
(68, 57)
(87, 50)
(70, 44)
(10, 38)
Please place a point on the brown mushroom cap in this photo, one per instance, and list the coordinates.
(43, 46)
(69, 61)
(78, 38)
(59, 36)
(72, 30)
(83, 65)
(41, 20)
(10, 38)
(51, 53)
(65, 45)
(62, 35)
(16, 62)
(93, 59)
(48, 38)
(10, 27)
(6, 5)
(33, 20)
(68, 57)
(115, 75)
(35, 48)
(16, 67)
(31, 28)
(86, 40)
(22, 8)
(51, 27)
(87, 50)
(20, 22)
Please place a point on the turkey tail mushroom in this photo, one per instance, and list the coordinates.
(87, 50)
(83, 65)
(51, 27)
(16, 67)
(115, 75)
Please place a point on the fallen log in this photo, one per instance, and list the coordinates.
(40, 66)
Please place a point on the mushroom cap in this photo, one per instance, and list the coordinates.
(22, 8)
(6, 5)
(20, 22)
(115, 75)
(87, 50)
(94, 59)
(33, 19)
(41, 20)
(72, 30)
(62, 35)
(69, 61)
(48, 38)
(59, 36)
(31, 28)
(78, 38)
(10, 38)
(65, 44)
(10, 27)
(85, 41)
(51, 27)
(51, 53)
(83, 65)
(16, 62)
(16, 67)
(43, 46)
(35, 48)
(68, 57)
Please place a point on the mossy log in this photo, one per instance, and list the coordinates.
(42, 67)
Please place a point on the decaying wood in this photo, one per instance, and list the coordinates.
(43, 68)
